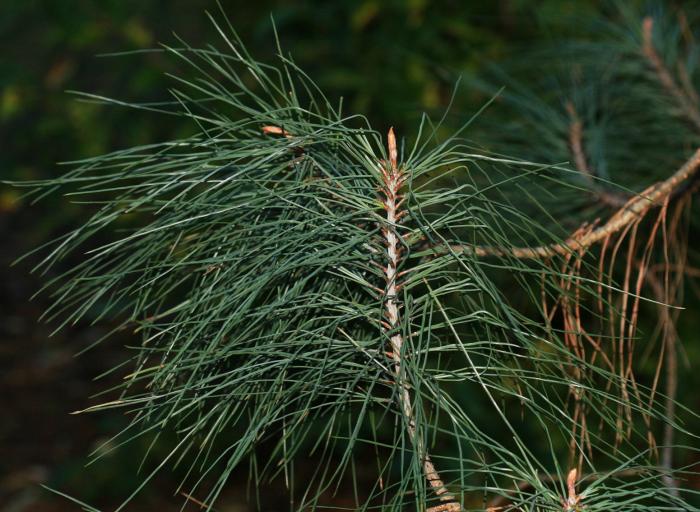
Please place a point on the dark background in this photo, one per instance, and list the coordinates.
(390, 61)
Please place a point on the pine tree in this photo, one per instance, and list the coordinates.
(302, 281)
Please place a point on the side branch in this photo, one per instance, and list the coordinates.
(585, 237)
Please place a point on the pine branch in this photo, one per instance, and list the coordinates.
(253, 252)
(686, 102)
(585, 236)
(394, 177)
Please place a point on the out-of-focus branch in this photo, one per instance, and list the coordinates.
(576, 142)
(681, 67)
(581, 162)
(585, 237)
(636, 207)
(670, 351)
(689, 108)
(683, 269)
(195, 501)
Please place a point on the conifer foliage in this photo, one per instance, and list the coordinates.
(306, 287)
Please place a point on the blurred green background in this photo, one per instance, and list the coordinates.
(390, 60)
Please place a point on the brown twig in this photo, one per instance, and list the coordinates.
(195, 501)
(632, 212)
(688, 107)
(393, 178)
(576, 142)
(670, 351)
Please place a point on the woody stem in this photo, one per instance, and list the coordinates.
(393, 178)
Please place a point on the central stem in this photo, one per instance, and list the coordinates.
(393, 178)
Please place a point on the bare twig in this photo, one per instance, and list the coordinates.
(632, 212)
(670, 351)
(195, 501)
(393, 178)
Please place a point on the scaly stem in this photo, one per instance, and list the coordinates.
(393, 179)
